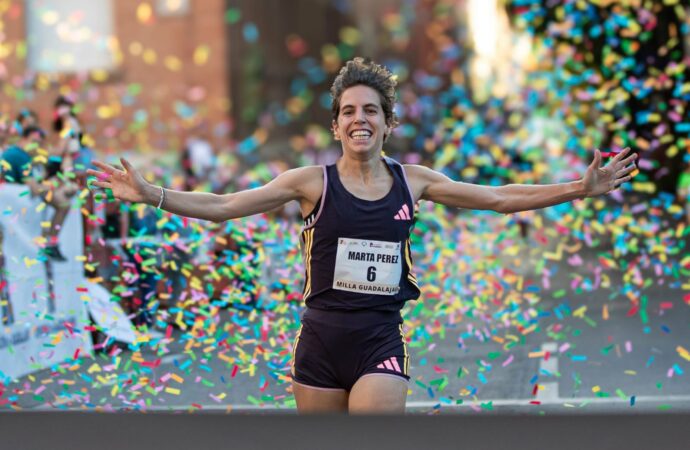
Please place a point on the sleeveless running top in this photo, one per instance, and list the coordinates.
(357, 252)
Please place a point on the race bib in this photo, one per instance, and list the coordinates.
(368, 267)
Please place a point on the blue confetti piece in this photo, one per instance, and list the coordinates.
(250, 32)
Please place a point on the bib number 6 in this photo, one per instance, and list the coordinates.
(371, 273)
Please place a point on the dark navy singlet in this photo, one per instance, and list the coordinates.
(357, 252)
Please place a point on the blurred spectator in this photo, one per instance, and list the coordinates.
(72, 154)
(198, 159)
(25, 118)
(22, 164)
(4, 132)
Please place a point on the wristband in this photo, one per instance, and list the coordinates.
(162, 198)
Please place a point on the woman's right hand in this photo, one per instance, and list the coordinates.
(127, 185)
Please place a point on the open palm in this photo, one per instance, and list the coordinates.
(127, 185)
(601, 180)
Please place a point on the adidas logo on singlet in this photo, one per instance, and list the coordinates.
(403, 214)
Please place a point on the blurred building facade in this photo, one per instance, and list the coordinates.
(141, 72)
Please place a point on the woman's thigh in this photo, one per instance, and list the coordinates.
(378, 393)
(312, 400)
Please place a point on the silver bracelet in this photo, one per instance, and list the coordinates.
(162, 198)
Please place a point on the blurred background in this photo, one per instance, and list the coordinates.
(582, 307)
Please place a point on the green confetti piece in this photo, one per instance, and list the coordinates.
(151, 391)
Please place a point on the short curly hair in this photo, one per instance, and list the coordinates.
(364, 71)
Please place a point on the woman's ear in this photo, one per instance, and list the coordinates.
(334, 128)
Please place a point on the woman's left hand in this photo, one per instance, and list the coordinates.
(601, 180)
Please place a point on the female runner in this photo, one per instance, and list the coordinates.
(350, 354)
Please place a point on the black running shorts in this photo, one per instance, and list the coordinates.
(334, 349)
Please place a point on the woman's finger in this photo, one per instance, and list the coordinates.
(107, 168)
(596, 162)
(101, 184)
(620, 155)
(128, 167)
(623, 180)
(97, 174)
(629, 159)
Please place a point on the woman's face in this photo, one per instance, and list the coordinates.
(361, 124)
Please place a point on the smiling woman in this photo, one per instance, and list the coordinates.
(350, 353)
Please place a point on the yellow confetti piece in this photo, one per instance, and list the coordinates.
(580, 312)
(226, 358)
(136, 48)
(555, 256)
(29, 262)
(144, 13)
(177, 378)
(173, 63)
(50, 17)
(99, 75)
(104, 112)
(683, 353)
(173, 391)
(350, 35)
(201, 55)
(529, 329)
(150, 56)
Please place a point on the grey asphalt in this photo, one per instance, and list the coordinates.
(594, 366)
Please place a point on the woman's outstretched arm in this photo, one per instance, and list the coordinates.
(129, 185)
(430, 185)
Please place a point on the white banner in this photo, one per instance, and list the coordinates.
(42, 303)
